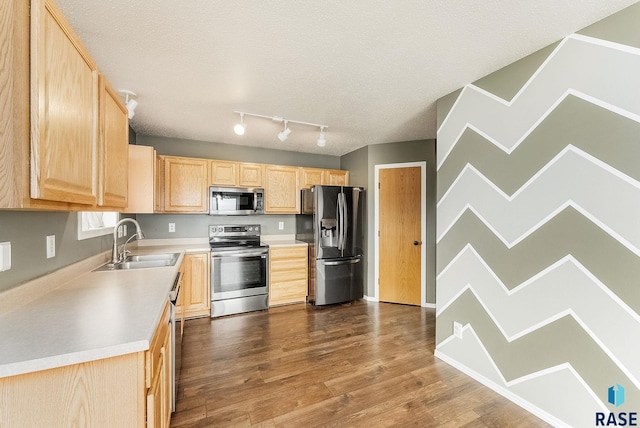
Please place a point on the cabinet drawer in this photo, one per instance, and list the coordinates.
(153, 355)
(288, 275)
(288, 265)
(288, 253)
(288, 292)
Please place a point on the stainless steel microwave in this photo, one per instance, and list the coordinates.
(236, 200)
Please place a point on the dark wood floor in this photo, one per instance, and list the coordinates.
(362, 364)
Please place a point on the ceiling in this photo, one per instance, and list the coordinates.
(370, 70)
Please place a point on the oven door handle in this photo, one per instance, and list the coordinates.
(175, 291)
(260, 254)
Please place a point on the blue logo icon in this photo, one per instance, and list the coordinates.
(616, 395)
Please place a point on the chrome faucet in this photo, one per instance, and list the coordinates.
(117, 257)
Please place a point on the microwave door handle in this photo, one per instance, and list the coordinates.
(255, 201)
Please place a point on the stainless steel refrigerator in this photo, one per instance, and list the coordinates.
(332, 223)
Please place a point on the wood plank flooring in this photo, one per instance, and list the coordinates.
(355, 365)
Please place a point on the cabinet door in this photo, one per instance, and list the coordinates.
(251, 175)
(114, 139)
(288, 282)
(281, 190)
(141, 179)
(185, 185)
(337, 177)
(224, 173)
(196, 285)
(154, 399)
(311, 176)
(64, 109)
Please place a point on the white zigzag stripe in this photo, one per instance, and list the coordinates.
(527, 307)
(604, 195)
(550, 320)
(451, 352)
(532, 98)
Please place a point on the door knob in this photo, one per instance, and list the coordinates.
(416, 242)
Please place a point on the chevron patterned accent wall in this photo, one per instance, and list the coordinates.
(538, 225)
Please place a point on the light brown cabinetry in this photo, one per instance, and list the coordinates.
(281, 190)
(224, 173)
(50, 116)
(114, 142)
(336, 177)
(311, 176)
(288, 275)
(64, 110)
(158, 378)
(251, 175)
(185, 184)
(196, 289)
(131, 390)
(141, 179)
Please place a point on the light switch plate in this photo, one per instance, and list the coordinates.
(5, 256)
(281, 225)
(457, 330)
(51, 246)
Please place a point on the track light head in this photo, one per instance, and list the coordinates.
(321, 140)
(284, 134)
(239, 128)
(129, 102)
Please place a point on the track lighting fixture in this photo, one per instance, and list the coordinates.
(284, 134)
(239, 128)
(129, 102)
(321, 140)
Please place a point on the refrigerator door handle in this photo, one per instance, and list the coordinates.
(340, 262)
(345, 220)
(339, 222)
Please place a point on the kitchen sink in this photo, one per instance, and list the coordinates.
(142, 261)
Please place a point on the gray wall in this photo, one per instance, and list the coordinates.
(203, 149)
(27, 232)
(361, 165)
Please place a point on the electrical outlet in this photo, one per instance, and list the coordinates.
(281, 225)
(51, 246)
(124, 230)
(120, 234)
(5, 256)
(172, 227)
(457, 330)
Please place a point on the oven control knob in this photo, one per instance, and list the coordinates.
(257, 228)
(250, 229)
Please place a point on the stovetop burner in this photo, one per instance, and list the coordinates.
(234, 237)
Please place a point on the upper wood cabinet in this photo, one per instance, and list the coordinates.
(311, 176)
(251, 175)
(141, 179)
(114, 147)
(186, 186)
(336, 177)
(64, 111)
(224, 173)
(281, 190)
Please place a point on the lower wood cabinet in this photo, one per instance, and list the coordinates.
(196, 288)
(288, 275)
(131, 390)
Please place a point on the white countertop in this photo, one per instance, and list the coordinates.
(281, 241)
(95, 315)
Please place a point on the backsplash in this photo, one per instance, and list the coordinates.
(156, 226)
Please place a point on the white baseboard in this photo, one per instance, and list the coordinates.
(502, 390)
(429, 305)
(370, 299)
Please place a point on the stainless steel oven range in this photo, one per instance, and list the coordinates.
(239, 270)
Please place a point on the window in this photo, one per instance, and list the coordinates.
(92, 224)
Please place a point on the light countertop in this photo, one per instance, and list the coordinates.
(93, 316)
(281, 241)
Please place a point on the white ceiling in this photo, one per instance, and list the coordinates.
(370, 70)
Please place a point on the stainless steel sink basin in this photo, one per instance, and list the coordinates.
(142, 261)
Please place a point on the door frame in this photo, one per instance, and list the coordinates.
(423, 227)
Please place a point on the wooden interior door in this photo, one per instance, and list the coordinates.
(400, 235)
